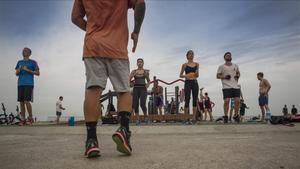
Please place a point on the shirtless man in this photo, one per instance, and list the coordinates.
(264, 88)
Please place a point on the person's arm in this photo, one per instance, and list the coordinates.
(212, 104)
(220, 73)
(181, 75)
(34, 72)
(18, 69)
(131, 75)
(268, 86)
(197, 71)
(139, 7)
(60, 106)
(241, 92)
(237, 74)
(78, 14)
(147, 78)
(201, 93)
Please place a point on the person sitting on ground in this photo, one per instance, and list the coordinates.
(285, 110)
(294, 110)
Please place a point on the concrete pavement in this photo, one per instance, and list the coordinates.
(257, 146)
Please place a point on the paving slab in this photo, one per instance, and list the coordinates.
(257, 146)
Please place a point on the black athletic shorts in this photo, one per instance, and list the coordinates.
(58, 113)
(25, 93)
(231, 93)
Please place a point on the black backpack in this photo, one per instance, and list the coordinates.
(279, 120)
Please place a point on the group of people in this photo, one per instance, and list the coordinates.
(285, 111)
(105, 56)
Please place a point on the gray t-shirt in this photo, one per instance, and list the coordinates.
(232, 71)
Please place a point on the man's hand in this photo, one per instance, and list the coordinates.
(227, 77)
(135, 38)
(26, 69)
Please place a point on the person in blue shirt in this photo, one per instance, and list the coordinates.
(25, 70)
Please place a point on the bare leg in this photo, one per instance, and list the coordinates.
(160, 110)
(186, 113)
(29, 109)
(195, 113)
(22, 105)
(124, 102)
(267, 108)
(201, 115)
(230, 113)
(210, 115)
(262, 113)
(57, 119)
(91, 104)
(226, 106)
(236, 105)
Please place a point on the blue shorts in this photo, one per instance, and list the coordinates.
(159, 101)
(263, 100)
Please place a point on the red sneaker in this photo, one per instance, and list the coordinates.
(121, 137)
(92, 149)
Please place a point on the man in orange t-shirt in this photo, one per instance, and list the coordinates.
(105, 56)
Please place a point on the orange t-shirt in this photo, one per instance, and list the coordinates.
(106, 28)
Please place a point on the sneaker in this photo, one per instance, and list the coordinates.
(22, 123)
(91, 148)
(137, 123)
(225, 119)
(29, 121)
(236, 118)
(122, 138)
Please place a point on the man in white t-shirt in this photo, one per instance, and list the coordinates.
(59, 108)
(229, 74)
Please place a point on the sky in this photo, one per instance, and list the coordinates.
(261, 35)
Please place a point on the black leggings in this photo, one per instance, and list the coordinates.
(191, 86)
(139, 95)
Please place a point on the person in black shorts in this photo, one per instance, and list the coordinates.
(25, 70)
(229, 74)
(59, 108)
(191, 70)
(208, 105)
(140, 86)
